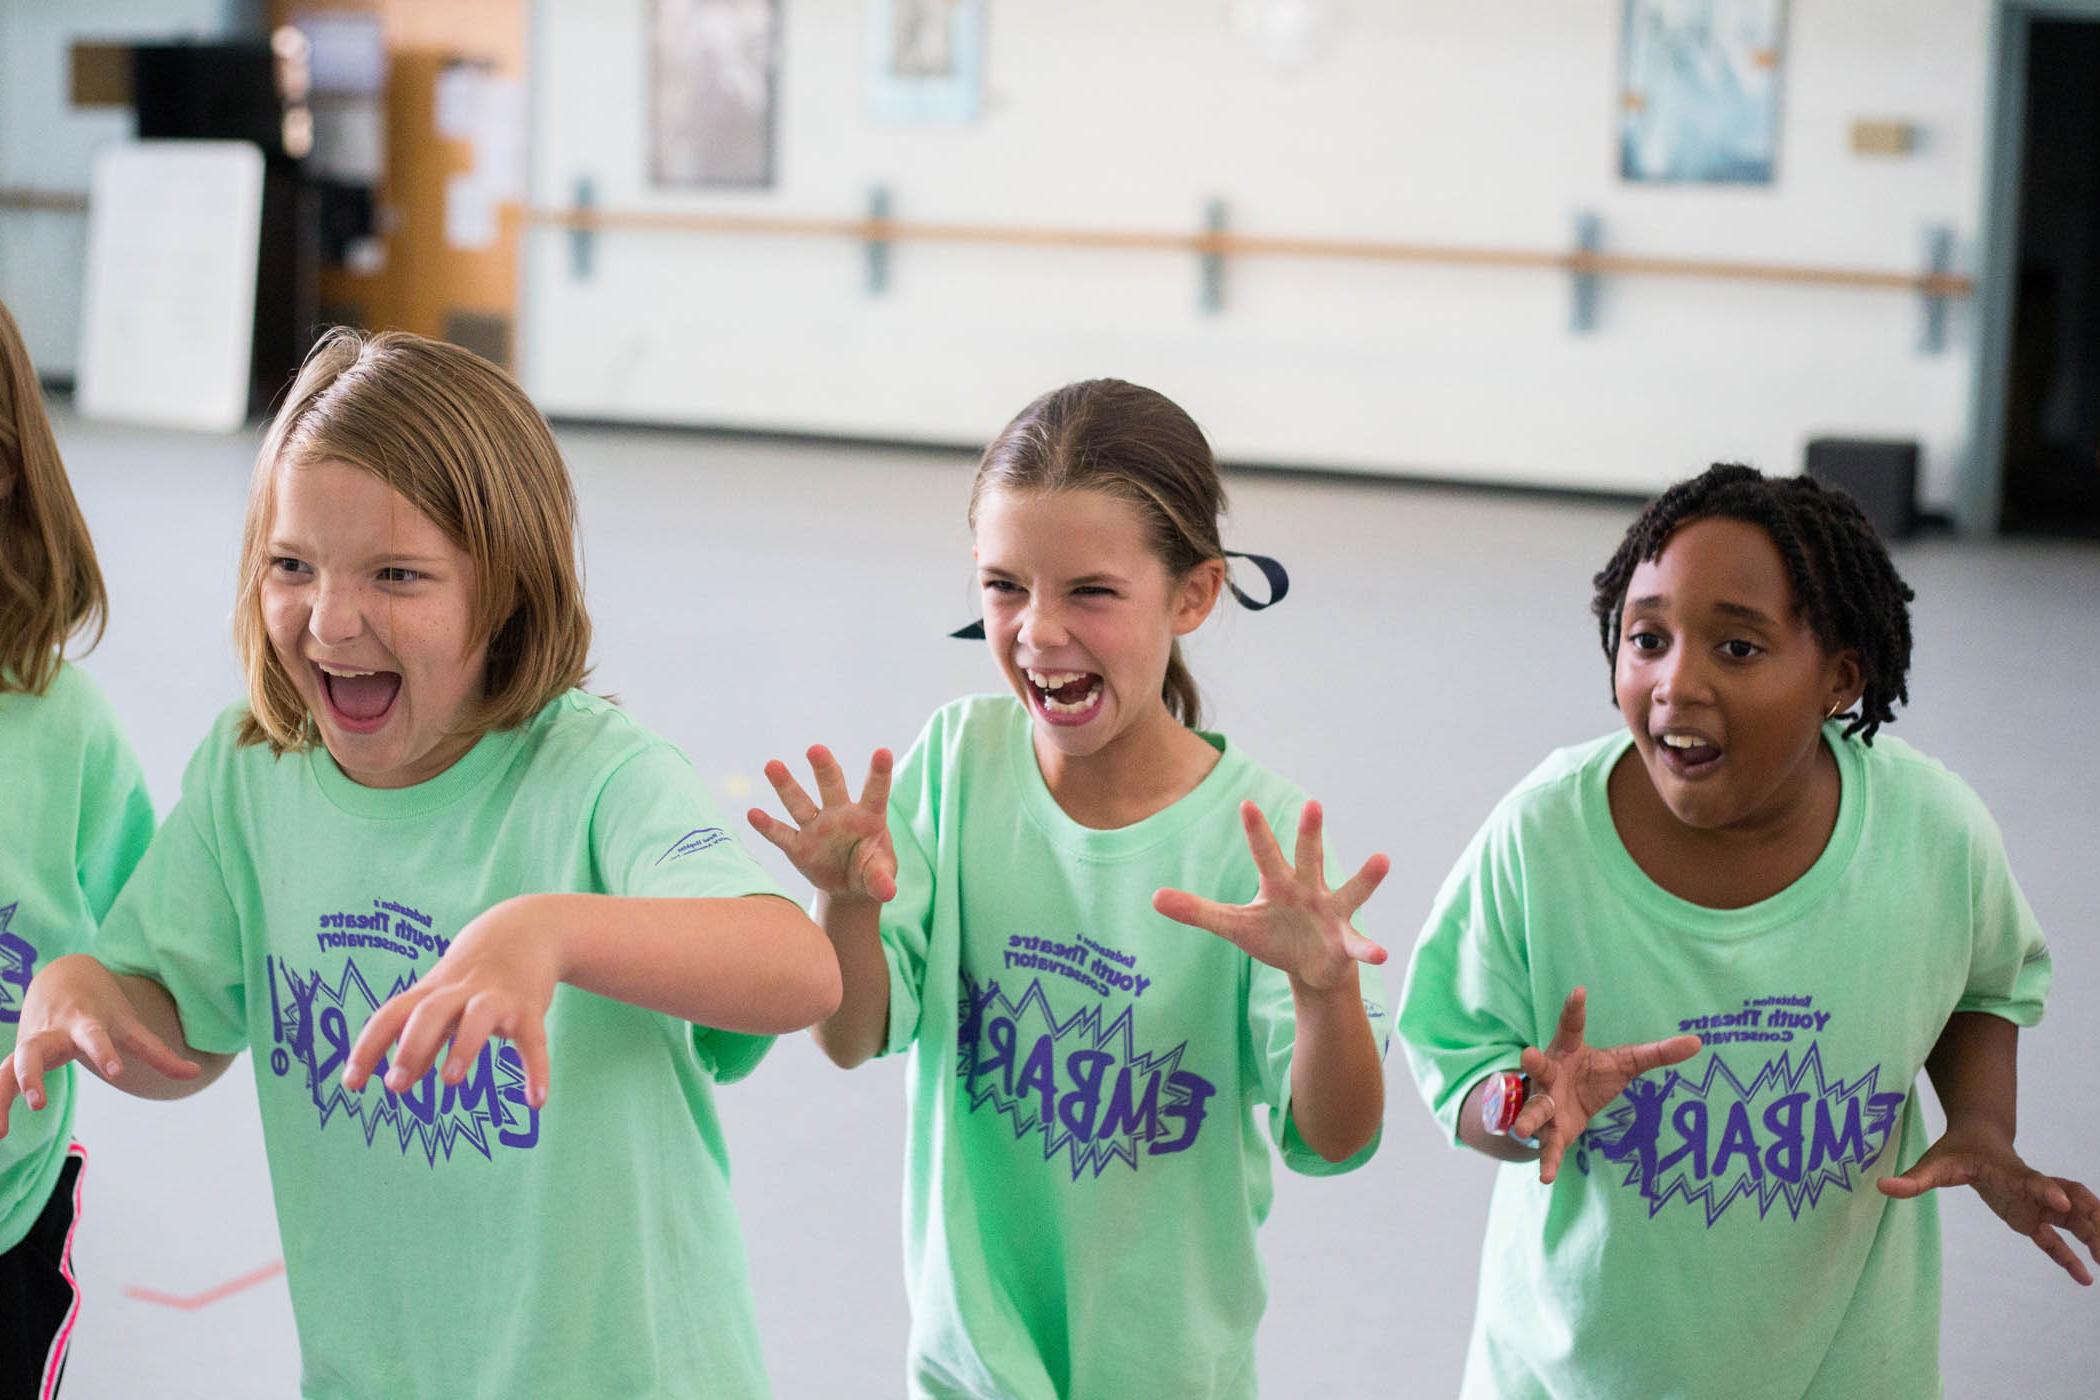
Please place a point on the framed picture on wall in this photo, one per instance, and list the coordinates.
(1699, 90)
(925, 60)
(714, 69)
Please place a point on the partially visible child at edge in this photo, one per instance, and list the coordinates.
(1702, 961)
(1086, 1168)
(419, 835)
(74, 820)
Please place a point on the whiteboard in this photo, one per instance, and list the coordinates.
(168, 321)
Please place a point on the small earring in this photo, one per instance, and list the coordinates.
(1834, 712)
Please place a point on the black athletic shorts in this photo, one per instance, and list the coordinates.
(38, 1302)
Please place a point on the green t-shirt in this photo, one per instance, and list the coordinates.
(1085, 1168)
(453, 1241)
(1717, 1231)
(74, 819)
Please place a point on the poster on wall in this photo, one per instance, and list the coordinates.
(925, 60)
(714, 70)
(1700, 90)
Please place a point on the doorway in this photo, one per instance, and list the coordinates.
(2050, 444)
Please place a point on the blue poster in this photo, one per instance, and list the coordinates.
(925, 60)
(1700, 97)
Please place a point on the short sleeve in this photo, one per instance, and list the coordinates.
(2009, 965)
(116, 817)
(656, 834)
(1272, 1029)
(176, 923)
(1466, 1008)
(907, 920)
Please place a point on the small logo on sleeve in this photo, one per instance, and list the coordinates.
(704, 838)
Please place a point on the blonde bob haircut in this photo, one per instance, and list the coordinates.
(459, 440)
(50, 586)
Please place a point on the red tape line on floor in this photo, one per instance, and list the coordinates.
(210, 1295)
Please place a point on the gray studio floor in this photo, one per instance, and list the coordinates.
(753, 598)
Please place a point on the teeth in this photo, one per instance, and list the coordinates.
(1051, 680)
(340, 671)
(1681, 741)
(1077, 707)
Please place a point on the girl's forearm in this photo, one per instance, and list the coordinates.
(1337, 1084)
(857, 1031)
(1974, 1069)
(753, 964)
(156, 1010)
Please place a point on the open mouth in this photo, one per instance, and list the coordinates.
(358, 701)
(1688, 753)
(1064, 697)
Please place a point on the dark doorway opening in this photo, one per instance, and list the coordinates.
(2052, 420)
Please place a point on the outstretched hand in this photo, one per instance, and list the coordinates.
(843, 847)
(1573, 1081)
(2034, 1205)
(1294, 923)
(75, 1010)
(496, 980)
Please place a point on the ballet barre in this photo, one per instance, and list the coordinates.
(1937, 285)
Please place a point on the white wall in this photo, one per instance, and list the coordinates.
(47, 144)
(1437, 120)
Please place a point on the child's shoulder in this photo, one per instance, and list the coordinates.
(1914, 786)
(1243, 778)
(222, 742)
(1900, 762)
(72, 705)
(577, 730)
(993, 712)
(973, 728)
(1552, 791)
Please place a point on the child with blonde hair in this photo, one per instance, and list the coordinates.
(420, 836)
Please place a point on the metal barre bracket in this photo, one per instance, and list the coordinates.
(1939, 263)
(1210, 262)
(877, 244)
(583, 238)
(1589, 240)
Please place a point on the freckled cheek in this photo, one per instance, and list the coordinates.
(426, 653)
(284, 623)
(438, 649)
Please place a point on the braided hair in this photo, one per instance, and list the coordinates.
(1844, 583)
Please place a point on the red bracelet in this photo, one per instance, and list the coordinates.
(1504, 1099)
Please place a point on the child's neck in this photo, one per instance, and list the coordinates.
(1729, 867)
(1143, 770)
